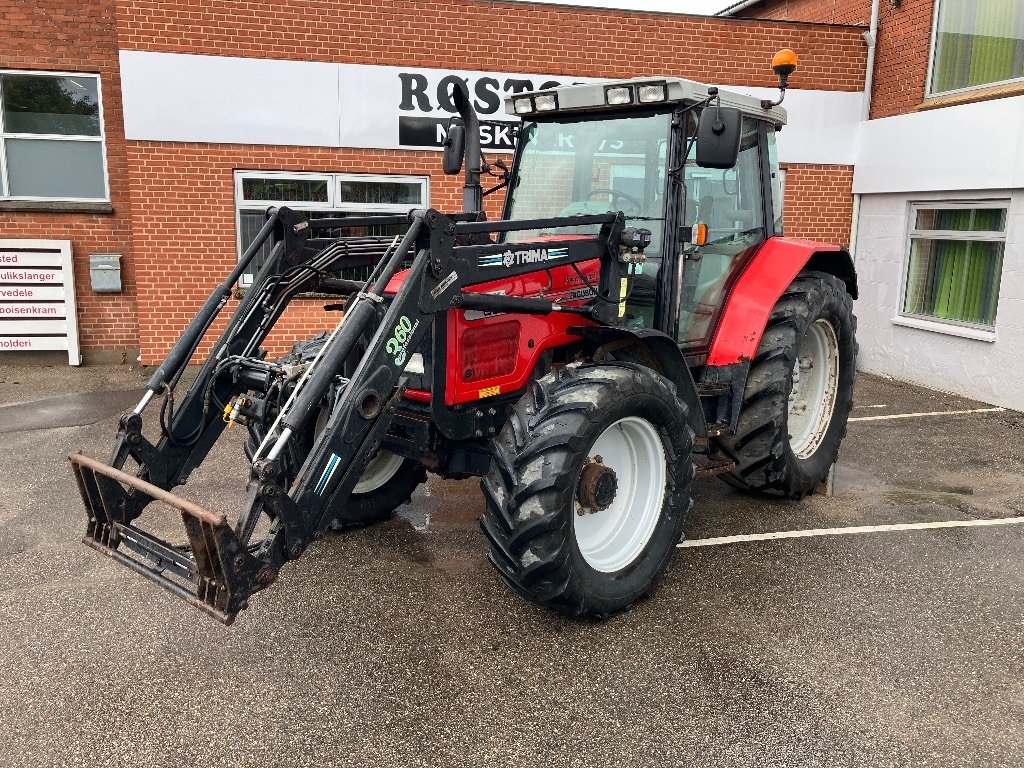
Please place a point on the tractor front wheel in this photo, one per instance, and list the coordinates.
(799, 391)
(589, 486)
(386, 484)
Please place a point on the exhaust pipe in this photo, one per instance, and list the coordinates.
(472, 192)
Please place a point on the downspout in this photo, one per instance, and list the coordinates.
(871, 38)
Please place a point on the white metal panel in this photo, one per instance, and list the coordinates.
(18, 275)
(32, 292)
(31, 309)
(970, 146)
(178, 97)
(32, 327)
(823, 126)
(16, 259)
(407, 94)
(33, 343)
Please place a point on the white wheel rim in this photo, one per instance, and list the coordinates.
(612, 538)
(382, 467)
(812, 399)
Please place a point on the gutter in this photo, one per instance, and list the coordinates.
(737, 7)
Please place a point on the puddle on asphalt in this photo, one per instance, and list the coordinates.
(73, 410)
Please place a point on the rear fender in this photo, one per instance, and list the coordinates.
(654, 349)
(764, 279)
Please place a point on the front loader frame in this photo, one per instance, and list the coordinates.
(220, 567)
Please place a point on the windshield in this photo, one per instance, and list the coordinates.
(572, 168)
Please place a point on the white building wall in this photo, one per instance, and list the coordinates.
(988, 367)
(963, 153)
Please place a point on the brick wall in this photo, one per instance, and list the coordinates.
(818, 202)
(822, 11)
(500, 36)
(184, 227)
(80, 37)
(901, 61)
(904, 43)
(183, 192)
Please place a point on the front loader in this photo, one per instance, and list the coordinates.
(635, 319)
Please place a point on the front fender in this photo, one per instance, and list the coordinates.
(656, 350)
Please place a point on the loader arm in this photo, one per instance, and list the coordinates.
(221, 567)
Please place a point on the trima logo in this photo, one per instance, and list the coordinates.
(511, 258)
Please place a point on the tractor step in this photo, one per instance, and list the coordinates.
(713, 388)
(215, 572)
(716, 467)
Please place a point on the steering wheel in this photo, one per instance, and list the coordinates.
(614, 194)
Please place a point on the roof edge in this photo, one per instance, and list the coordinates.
(742, 5)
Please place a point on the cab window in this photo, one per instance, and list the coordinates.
(730, 203)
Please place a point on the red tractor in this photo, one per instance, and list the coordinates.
(635, 318)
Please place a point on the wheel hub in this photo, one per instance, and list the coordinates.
(620, 494)
(597, 487)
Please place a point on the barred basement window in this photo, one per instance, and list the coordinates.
(321, 195)
(51, 137)
(956, 261)
(976, 43)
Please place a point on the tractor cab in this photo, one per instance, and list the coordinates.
(708, 196)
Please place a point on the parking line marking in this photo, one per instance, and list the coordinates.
(802, 534)
(928, 413)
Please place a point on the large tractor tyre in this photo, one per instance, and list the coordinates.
(799, 391)
(387, 483)
(588, 487)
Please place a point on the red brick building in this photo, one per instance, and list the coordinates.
(208, 110)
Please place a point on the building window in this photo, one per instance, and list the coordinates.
(322, 195)
(51, 137)
(956, 260)
(976, 43)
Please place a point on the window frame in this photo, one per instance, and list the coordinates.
(334, 181)
(929, 93)
(950, 327)
(5, 184)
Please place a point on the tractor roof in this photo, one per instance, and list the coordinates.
(595, 97)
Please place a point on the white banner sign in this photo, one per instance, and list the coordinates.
(37, 297)
(410, 108)
(229, 100)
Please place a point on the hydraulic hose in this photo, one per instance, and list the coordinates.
(189, 340)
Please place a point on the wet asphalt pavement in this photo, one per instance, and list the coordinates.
(397, 645)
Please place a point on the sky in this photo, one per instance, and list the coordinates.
(672, 6)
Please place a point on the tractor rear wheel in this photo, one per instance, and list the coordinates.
(799, 391)
(589, 486)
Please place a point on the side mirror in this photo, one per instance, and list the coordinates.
(454, 148)
(718, 137)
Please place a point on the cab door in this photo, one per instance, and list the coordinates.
(736, 207)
